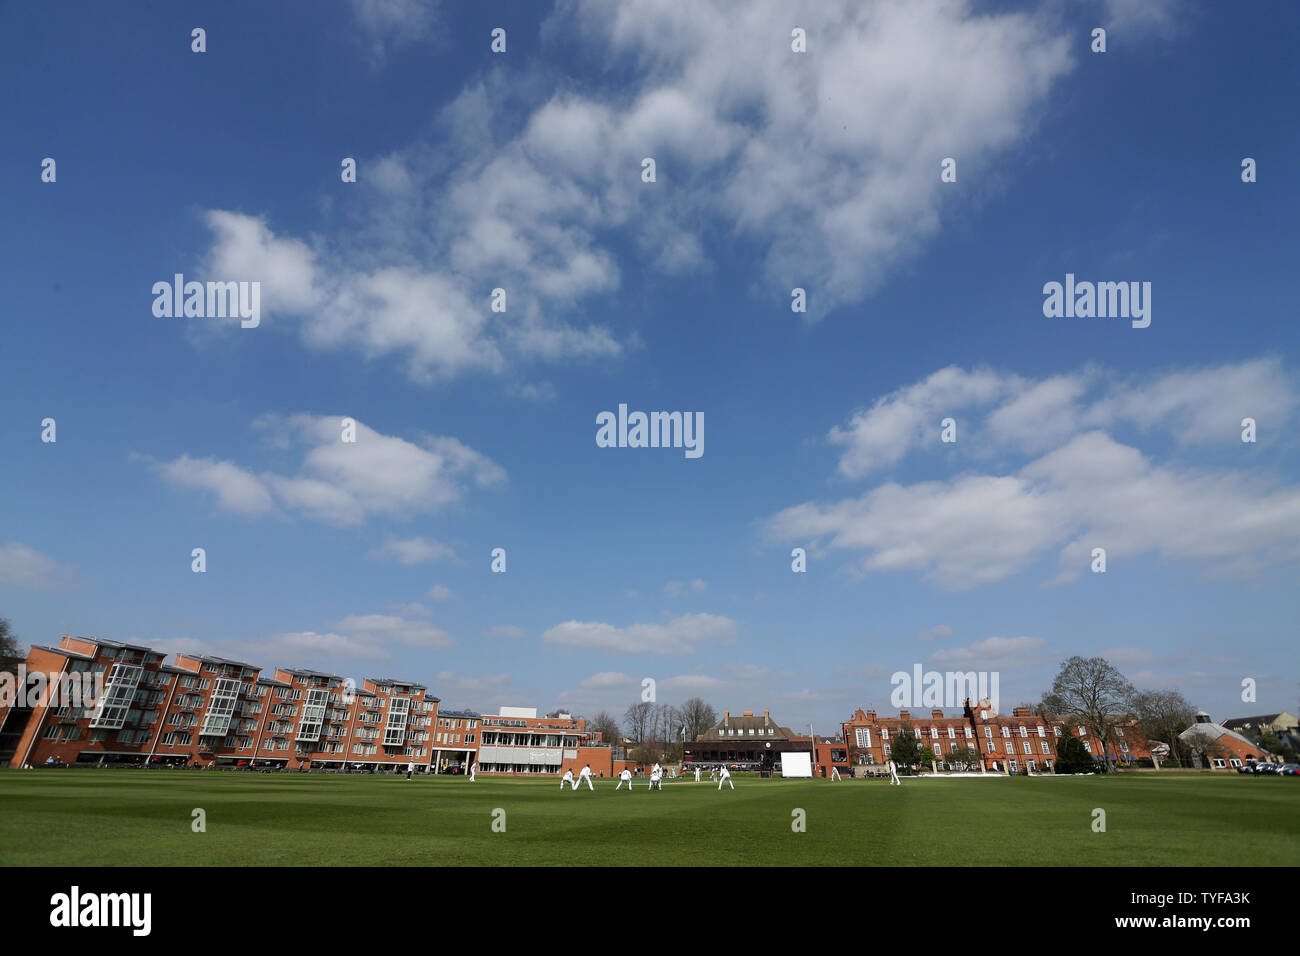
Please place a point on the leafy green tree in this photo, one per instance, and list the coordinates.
(925, 757)
(1071, 756)
(964, 758)
(1270, 742)
(906, 748)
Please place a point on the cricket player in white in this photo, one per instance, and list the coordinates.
(625, 778)
(725, 777)
(584, 774)
(893, 774)
(697, 774)
(657, 778)
(713, 774)
(835, 773)
(473, 768)
(568, 778)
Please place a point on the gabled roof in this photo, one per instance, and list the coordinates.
(1233, 723)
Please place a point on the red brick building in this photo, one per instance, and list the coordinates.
(517, 741)
(205, 711)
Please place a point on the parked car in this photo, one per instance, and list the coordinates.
(1266, 768)
(1289, 770)
(1246, 768)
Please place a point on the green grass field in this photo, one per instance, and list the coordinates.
(108, 817)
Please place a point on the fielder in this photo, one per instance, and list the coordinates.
(625, 778)
(657, 778)
(697, 774)
(585, 774)
(410, 769)
(725, 777)
(473, 768)
(713, 774)
(568, 778)
(835, 773)
(893, 774)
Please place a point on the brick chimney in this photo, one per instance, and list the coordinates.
(1019, 711)
(936, 714)
(871, 715)
(904, 715)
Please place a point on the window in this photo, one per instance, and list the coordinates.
(1046, 747)
(1083, 731)
(1006, 731)
(1024, 731)
(969, 734)
(1119, 731)
(952, 733)
(884, 735)
(1057, 731)
(984, 715)
(992, 747)
(864, 737)
(1041, 731)
(988, 732)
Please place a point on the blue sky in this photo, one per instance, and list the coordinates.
(774, 170)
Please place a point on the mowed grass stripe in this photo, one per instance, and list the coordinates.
(121, 817)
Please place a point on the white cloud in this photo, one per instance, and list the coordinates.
(450, 685)
(1136, 17)
(236, 489)
(415, 550)
(677, 588)
(881, 435)
(361, 637)
(412, 609)
(387, 24)
(823, 165)
(26, 567)
(681, 635)
(993, 653)
(345, 482)
(1087, 491)
(441, 592)
(1002, 410)
(389, 629)
(606, 679)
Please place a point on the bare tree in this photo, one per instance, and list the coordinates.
(10, 655)
(1094, 692)
(605, 725)
(639, 721)
(1164, 715)
(698, 717)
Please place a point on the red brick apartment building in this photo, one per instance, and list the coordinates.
(1000, 743)
(205, 711)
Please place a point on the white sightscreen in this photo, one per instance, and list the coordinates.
(796, 765)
